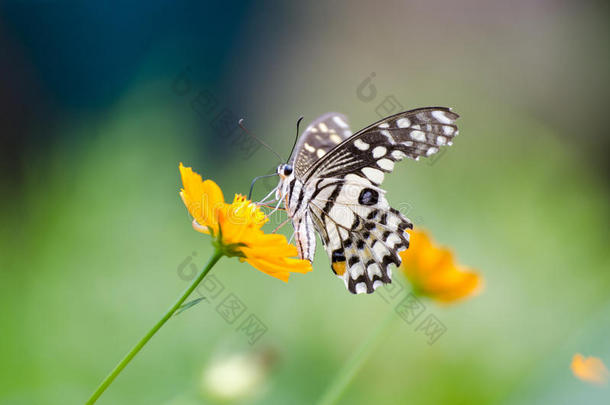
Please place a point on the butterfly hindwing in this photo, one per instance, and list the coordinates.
(361, 233)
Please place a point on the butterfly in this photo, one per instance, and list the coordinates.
(332, 185)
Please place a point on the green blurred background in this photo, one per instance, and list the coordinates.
(100, 102)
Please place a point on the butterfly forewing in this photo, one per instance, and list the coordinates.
(373, 150)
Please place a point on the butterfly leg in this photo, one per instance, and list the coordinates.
(277, 207)
(264, 199)
(281, 225)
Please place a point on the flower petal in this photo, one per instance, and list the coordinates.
(272, 255)
(202, 198)
(433, 271)
(279, 268)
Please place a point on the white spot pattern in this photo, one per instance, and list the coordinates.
(431, 151)
(403, 122)
(373, 269)
(388, 135)
(335, 138)
(356, 271)
(342, 216)
(374, 175)
(379, 151)
(379, 249)
(360, 144)
(360, 288)
(418, 136)
(386, 164)
(340, 122)
(398, 154)
(441, 117)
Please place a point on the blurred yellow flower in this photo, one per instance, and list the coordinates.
(433, 272)
(236, 227)
(590, 369)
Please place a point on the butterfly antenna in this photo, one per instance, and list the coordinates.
(296, 138)
(241, 125)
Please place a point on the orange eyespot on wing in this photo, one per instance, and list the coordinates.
(338, 268)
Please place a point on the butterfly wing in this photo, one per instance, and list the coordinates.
(361, 233)
(322, 135)
(374, 149)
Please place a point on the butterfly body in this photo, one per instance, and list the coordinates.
(296, 196)
(332, 186)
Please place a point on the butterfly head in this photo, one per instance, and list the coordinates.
(284, 170)
(286, 173)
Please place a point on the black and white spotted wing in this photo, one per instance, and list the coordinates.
(337, 191)
(361, 233)
(374, 149)
(322, 135)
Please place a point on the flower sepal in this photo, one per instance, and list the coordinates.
(227, 249)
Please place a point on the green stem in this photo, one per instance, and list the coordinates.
(132, 353)
(354, 364)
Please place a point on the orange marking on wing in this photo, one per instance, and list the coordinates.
(338, 268)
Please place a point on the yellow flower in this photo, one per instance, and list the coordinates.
(236, 227)
(589, 369)
(433, 271)
(203, 200)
